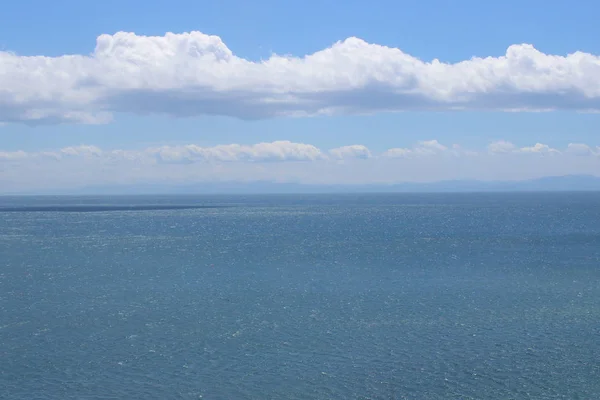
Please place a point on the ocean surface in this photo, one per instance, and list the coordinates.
(431, 296)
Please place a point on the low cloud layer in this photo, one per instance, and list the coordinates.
(193, 74)
(286, 151)
(262, 152)
(285, 161)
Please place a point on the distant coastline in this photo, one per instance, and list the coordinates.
(575, 183)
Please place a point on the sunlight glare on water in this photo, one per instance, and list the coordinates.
(431, 296)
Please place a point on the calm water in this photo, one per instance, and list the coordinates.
(466, 296)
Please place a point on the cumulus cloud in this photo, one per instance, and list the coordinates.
(504, 147)
(539, 148)
(422, 148)
(286, 161)
(397, 152)
(582, 149)
(284, 151)
(430, 147)
(81, 151)
(352, 151)
(261, 152)
(192, 74)
(501, 147)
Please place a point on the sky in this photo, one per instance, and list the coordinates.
(97, 93)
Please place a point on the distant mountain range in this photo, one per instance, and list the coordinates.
(557, 183)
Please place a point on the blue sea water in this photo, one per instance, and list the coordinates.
(405, 296)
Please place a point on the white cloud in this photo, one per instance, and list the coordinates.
(430, 147)
(539, 148)
(352, 151)
(285, 161)
(582, 149)
(501, 147)
(82, 151)
(282, 151)
(504, 147)
(397, 152)
(422, 148)
(196, 74)
(261, 152)
(12, 155)
(127, 155)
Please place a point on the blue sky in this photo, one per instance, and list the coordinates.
(450, 31)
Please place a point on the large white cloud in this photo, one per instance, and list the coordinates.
(196, 74)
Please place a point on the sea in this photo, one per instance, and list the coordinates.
(349, 296)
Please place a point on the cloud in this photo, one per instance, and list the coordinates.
(582, 149)
(353, 151)
(283, 151)
(397, 152)
(430, 147)
(285, 161)
(12, 155)
(81, 151)
(261, 152)
(192, 74)
(422, 148)
(503, 147)
(539, 148)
